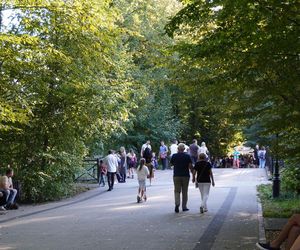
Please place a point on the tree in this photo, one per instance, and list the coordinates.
(242, 51)
(64, 60)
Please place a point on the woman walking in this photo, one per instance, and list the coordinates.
(123, 164)
(203, 175)
(142, 174)
(131, 163)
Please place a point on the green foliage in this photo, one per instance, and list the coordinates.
(64, 82)
(244, 54)
(283, 207)
(154, 120)
(153, 116)
(290, 178)
(79, 77)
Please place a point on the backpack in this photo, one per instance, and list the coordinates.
(147, 153)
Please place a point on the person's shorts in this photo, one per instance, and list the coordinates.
(142, 184)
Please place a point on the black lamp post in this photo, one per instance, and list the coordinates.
(276, 179)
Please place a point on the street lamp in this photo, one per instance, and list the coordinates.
(276, 179)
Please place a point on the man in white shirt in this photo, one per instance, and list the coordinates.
(144, 146)
(112, 165)
(146, 152)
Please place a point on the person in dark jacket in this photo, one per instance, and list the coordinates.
(203, 175)
(181, 176)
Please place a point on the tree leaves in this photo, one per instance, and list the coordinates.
(247, 57)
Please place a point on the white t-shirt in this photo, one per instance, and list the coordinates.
(143, 173)
(10, 182)
(186, 148)
(173, 149)
(203, 150)
(111, 162)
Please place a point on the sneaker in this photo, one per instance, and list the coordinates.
(205, 210)
(176, 209)
(2, 208)
(201, 210)
(14, 206)
(265, 246)
(145, 198)
(185, 209)
(138, 199)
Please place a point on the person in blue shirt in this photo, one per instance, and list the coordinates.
(163, 153)
(181, 176)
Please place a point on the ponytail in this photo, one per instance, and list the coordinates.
(142, 163)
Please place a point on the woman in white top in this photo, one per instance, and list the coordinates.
(203, 150)
(142, 174)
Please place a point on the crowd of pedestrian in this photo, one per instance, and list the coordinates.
(183, 159)
(259, 158)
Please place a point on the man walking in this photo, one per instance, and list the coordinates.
(181, 176)
(146, 152)
(194, 148)
(112, 165)
(163, 154)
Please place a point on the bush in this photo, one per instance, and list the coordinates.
(282, 207)
(51, 182)
(291, 179)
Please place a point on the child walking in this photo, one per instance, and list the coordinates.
(142, 173)
(154, 161)
(103, 173)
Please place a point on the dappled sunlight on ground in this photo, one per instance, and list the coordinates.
(33, 221)
(129, 208)
(244, 214)
(7, 247)
(114, 220)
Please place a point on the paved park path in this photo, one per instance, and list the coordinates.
(113, 220)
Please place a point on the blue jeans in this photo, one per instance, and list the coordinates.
(101, 179)
(262, 163)
(164, 162)
(10, 195)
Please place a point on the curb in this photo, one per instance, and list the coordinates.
(33, 210)
(261, 229)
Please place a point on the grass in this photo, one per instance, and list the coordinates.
(281, 207)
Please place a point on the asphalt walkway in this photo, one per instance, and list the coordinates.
(104, 220)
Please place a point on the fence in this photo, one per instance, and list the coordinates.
(90, 171)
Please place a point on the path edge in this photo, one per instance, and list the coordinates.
(261, 228)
